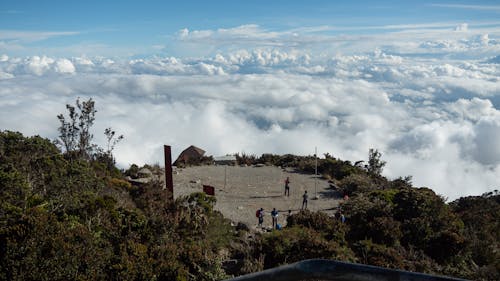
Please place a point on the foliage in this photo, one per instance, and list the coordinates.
(481, 217)
(330, 228)
(133, 171)
(75, 134)
(245, 159)
(67, 218)
(389, 227)
(328, 167)
(375, 165)
(299, 243)
(337, 169)
(356, 183)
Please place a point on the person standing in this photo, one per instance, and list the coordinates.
(261, 216)
(304, 200)
(274, 215)
(287, 186)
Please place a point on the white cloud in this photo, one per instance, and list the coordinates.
(410, 38)
(487, 147)
(4, 75)
(433, 116)
(469, 7)
(31, 36)
(38, 65)
(474, 109)
(64, 66)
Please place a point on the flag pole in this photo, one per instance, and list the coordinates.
(316, 172)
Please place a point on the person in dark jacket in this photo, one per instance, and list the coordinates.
(261, 216)
(287, 186)
(305, 197)
(274, 215)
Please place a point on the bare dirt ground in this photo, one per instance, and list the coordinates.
(240, 191)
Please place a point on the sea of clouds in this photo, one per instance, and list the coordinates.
(430, 103)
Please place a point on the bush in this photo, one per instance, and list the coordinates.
(119, 184)
(331, 228)
(294, 244)
(356, 184)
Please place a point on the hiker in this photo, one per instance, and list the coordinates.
(260, 216)
(287, 186)
(289, 214)
(274, 215)
(304, 200)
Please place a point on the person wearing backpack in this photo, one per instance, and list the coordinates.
(260, 215)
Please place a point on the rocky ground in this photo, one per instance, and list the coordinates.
(240, 191)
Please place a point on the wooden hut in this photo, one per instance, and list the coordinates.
(190, 155)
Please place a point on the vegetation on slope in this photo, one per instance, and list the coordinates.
(66, 219)
(389, 223)
(71, 216)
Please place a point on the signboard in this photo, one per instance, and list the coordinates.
(209, 190)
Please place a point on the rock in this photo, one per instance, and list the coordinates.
(242, 226)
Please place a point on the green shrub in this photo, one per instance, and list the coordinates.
(294, 244)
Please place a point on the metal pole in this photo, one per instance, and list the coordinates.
(316, 172)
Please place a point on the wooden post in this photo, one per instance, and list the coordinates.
(169, 182)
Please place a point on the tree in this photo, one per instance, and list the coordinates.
(106, 157)
(75, 133)
(112, 141)
(76, 137)
(68, 129)
(86, 120)
(375, 165)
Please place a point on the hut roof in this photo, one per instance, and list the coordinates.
(198, 150)
(192, 152)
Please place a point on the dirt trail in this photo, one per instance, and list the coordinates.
(248, 188)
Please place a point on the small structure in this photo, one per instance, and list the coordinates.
(190, 155)
(144, 173)
(143, 176)
(225, 160)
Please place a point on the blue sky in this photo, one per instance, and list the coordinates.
(144, 28)
(417, 80)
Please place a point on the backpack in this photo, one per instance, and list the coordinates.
(257, 214)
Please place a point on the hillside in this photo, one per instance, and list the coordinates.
(64, 217)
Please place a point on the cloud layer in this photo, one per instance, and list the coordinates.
(432, 115)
